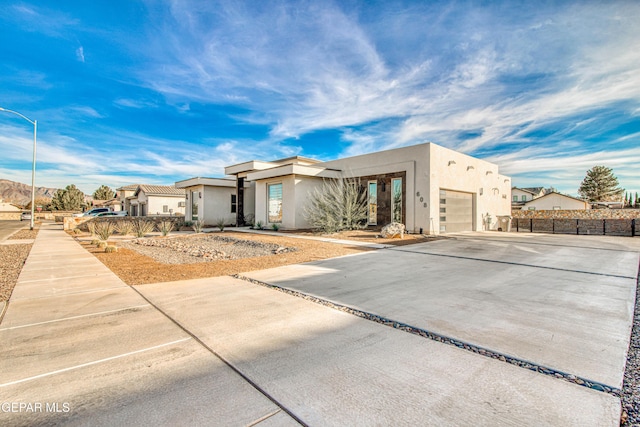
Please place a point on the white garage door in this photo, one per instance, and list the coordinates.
(456, 211)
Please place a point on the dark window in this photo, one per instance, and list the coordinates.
(234, 203)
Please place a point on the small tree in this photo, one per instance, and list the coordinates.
(44, 202)
(337, 205)
(69, 199)
(104, 193)
(600, 185)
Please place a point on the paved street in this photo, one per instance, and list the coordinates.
(227, 351)
(7, 228)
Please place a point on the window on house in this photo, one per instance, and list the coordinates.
(373, 203)
(234, 203)
(515, 198)
(165, 208)
(524, 198)
(195, 198)
(275, 203)
(396, 199)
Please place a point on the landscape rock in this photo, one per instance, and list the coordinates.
(395, 229)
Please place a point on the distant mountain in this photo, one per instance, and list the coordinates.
(20, 194)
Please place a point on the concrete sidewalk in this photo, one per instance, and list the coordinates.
(81, 347)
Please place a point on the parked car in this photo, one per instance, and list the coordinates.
(119, 213)
(93, 212)
(26, 216)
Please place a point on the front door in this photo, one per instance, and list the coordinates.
(373, 203)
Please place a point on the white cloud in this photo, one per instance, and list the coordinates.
(80, 54)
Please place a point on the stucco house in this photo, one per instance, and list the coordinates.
(8, 207)
(519, 196)
(216, 199)
(556, 201)
(157, 200)
(125, 195)
(427, 187)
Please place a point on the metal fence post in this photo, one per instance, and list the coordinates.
(577, 226)
(604, 227)
(633, 227)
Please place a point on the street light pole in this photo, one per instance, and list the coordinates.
(33, 168)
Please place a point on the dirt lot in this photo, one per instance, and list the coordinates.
(137, 269)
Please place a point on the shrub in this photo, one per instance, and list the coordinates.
(220, 223)
(142, 227)
(124, 227)
(91, 226)
(249, 219)
(275, 227)
(259, 225)
(165, 226)
(95, 242)
(102, 244)
(104, 229)
(337, 205)
(198, 226)
(111, 249)
(77, 231)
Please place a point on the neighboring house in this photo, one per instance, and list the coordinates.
(216, 199)
(519, 196)
(157, 200)
(556, 202)
(114, 204)
(9, 211)
(8, 207)
(125, 195)
(426, 187)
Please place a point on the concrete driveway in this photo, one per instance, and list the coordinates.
(225, 351)
(562, 302)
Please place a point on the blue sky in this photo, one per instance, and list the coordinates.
(153, 92)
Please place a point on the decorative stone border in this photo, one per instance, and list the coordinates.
(443, 339)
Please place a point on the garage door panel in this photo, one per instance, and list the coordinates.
(456, 211)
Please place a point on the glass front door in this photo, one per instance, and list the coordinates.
(373, 203)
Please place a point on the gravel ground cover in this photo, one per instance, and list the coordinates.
(202, 248)
(138, 264)
(12, 258)
(631, 386)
